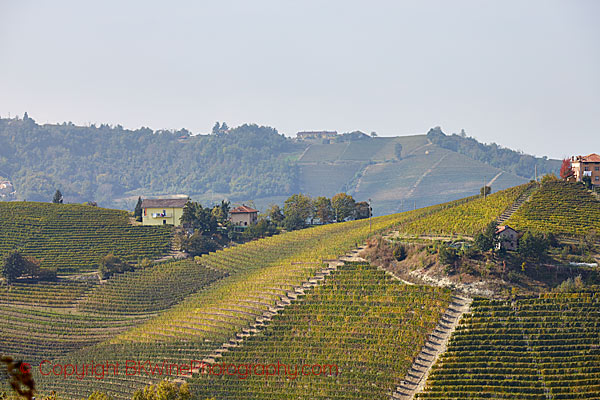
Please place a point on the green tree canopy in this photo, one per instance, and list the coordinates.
(164, 390)
(199, 218)
(343, 206)
(323, 209)
(298, 208)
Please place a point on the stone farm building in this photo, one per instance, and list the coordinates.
(586, 165)
(508, 238)
(243, 216)
(162, 211)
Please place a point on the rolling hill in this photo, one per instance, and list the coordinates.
(289, 298)
(114, 166)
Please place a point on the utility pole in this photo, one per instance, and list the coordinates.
(536, 172)
(370, 213)
(415, 205)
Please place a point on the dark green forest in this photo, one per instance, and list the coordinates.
(107, 164)
(102, 163)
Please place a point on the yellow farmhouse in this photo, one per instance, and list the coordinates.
(162, 211)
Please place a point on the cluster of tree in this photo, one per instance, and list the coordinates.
(15, 265)
(506, 159)
(201, 228)
(301, 210)
(103, 163)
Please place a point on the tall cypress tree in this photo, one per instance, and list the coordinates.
(137, 213)
(58, 197)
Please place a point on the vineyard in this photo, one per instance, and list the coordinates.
(561, 208)
(73, 237)
(149, 290)
(226, 293)
(281, 299)
(360, 320)
(468, 218)
(535, 348)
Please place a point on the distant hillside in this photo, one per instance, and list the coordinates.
(113, 166)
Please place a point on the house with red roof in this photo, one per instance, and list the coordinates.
(243, 215)
(586, 166)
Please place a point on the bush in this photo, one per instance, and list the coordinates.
(16, 265)
(533, 245)
(197, 244)
(261, 229)
(164, 390)
(487, 239)
(447, 255)
(399, 252)
(111, 264)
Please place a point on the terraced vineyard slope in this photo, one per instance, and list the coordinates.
(561, 208)
(467, 218)
(257, 277)
(361, 328)
(73, 237)
(535, 348)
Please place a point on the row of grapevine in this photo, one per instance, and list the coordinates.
(366, 324)
(258, 277)
(468, 218)
(561, 208)
(535, 348)
(149, 290)
(73, 237)
(60, 293)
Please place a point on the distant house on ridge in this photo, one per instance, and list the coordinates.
(162, 211)
(312, 135)
(586, 166)
(243, 216)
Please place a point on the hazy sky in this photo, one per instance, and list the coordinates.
(524, 74)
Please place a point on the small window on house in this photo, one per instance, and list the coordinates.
(597, 178)
(164, 221)
(245, 223)
(596, 168)
(586, 169)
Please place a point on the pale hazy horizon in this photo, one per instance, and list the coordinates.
(520, 74)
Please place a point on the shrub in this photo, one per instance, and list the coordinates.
(533, 245)
(447, 255)
(399, 252)
(197, 244)
(111, 264)
(164, 390)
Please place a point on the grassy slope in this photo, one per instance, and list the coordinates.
(561, 208)
(73, 237)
